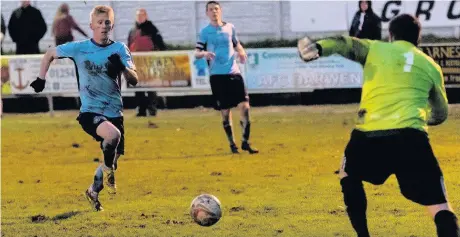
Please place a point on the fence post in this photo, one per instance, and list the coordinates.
(50, 104)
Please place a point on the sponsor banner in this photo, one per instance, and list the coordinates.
(162, 70)
(282, 69)
(61, 76)
(271, 68)
(274, 70)
(312, 16)
(448, 57)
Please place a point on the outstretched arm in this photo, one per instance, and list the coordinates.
(76, 27)
(349, 47)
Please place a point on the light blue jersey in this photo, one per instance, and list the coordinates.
(221, 41)
(98, 92)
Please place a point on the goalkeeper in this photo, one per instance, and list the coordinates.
(403, 93)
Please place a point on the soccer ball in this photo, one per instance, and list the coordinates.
(205, 210)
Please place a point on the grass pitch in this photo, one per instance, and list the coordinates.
(289, 189)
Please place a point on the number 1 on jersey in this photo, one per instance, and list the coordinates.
(409, 61)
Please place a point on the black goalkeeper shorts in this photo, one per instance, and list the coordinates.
(407, 153)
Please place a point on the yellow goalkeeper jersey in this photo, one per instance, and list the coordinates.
(398, 80)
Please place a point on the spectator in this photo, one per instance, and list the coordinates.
(366, 24)
(63, 24)
(144, 36)
(27, 27)
(2, 35)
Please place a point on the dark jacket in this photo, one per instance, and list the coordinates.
(141, 33)
(3, 26)
(4, 34)
(27, 27)
(371, 28)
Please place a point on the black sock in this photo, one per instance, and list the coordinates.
(109, 151)
(356, 204)
(229, 131)
(446, 224)
(246, 128)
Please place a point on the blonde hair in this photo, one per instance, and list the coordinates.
(101, 9)
(62, 12)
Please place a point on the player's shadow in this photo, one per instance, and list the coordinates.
(66, 215)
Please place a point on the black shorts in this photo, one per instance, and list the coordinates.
(90, 121)
(407, 153)
(228, 91)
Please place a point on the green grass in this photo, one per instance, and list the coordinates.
(289, 189)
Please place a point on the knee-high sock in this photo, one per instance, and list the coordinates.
(109, 150)
(446, 224)
(228, 131)
(246, 129)
(356, 204)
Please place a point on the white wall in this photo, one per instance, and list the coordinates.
(180, 21)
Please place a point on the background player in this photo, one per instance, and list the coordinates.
(401, 85)
(217, 43)
(99, 63)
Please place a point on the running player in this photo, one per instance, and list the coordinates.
(99, 63)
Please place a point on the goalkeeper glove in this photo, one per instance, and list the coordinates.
(308, 50)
